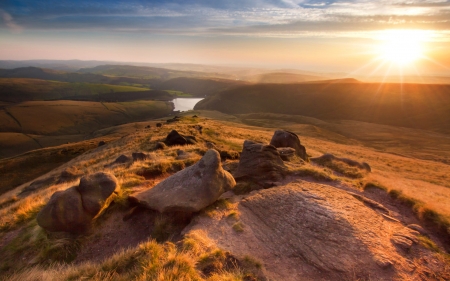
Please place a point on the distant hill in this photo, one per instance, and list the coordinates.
(144, 72)
(26, 89)
(146, 77)
(197, 86)
(281, 78)
(422, 106)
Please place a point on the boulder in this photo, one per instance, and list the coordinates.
(139, 156)
(175, 138)
(283, 138)
(181, 155)
(73, 209)
(260, 164)
(37, 185)
(330, 157)
(158, 125)
(310, 231)
(160, 146)
(287, 153)
(96, 190)
(189, 190)
(211, 145)
(64, 212)
(122, 159)
(101, 143)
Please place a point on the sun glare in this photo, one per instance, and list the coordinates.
(402, 47)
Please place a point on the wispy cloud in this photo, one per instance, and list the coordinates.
(279, 18)
(9, 21)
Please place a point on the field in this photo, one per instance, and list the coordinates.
(47, 123)
(23, 89)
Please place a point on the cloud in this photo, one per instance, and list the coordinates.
(279, 18)
(9, 21)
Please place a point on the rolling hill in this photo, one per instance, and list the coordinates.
(26, 89)
(420, 106)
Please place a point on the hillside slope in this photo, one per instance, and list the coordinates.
(321, 221)
(420, 106)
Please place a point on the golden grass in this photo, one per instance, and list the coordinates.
(153, 261)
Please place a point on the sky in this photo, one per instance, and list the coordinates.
(324, 36)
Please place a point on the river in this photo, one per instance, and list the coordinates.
(185, 104)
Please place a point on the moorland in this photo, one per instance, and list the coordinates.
(52, 122)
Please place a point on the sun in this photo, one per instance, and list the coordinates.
(401, 47)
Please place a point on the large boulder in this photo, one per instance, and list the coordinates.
(175, 138)
(96, 190)
(310, 231)
(73, 209)
(260, 164)
(283, 138)
(191, 189)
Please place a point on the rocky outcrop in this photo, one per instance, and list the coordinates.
(189, 190)
(260, 164)
(73, 209)
(287, 153)
(330, 157)
(175, 138)
(122, 159)
(310, 231)
(288, 139)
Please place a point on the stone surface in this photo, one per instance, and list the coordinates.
(330, 157)
(283, 138)
(287, 153)
(189, 190)
(160, 145)
(260, 164)
(64, 212)
(96, 189)
(122, 159)
(417, 228)
(73, 209)
(175, 138)
(309, 231)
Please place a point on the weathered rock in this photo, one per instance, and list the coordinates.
(417, 228)
(286, 153)
(37, 185)
(64, 212)
(158, 125)
(401, 242)
(160, 145)
(73, 209)
(288, 139)
(211, 145)
(175, 138)
(260, 164)
(330, 157)
(139, 156)
(101, 143)
(122, 159)
(309, 231)
(191, 189)
(96, 190)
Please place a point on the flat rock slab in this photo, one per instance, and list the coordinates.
(191, 189)
(310, 231)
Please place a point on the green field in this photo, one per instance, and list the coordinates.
(22, 89)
